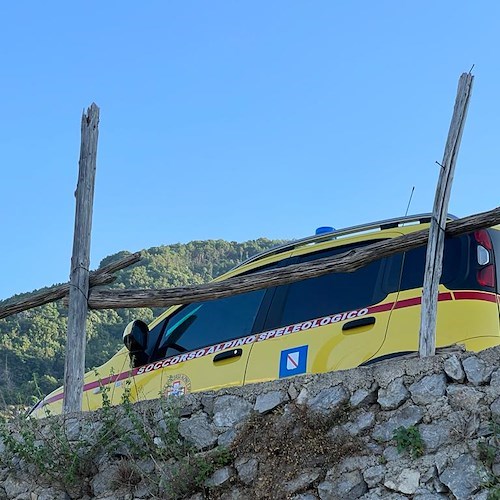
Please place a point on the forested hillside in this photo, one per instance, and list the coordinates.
(32, 343)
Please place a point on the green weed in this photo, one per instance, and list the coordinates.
(409, 439)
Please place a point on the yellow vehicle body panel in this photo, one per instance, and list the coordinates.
(469, 318)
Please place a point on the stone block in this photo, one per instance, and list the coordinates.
(495, 408)
(303, 396)
(72, 429)
(478, 372)
(104, 481)
(328, 399)
(269, 401)
(454, 369)
(394, 395)
(229, 410)
(435, 435)
(428, 389)
(350, 485)
(198, 431)
(462, 397)
(407, 481)
(227, 438)
(363, 397)
(360, 423)
(247, 469)
(302, 481)
(219, 477)
(462, 477)
(495, 378)
(15, 486)
(374, 475)
(391, 454)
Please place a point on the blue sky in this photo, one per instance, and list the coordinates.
(235, 120)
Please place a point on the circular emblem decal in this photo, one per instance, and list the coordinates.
(177, 385)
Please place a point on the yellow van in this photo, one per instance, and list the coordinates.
(334, 322)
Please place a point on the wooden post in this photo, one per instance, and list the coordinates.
(74, 367)
(434, 259)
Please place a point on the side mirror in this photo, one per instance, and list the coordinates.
(135, 338)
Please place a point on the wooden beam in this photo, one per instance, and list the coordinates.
(346, 262)
(435, 247)
(103, 276)
(74, 367)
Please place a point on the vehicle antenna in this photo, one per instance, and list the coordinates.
(409, 201)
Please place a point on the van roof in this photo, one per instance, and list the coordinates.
(332, 235)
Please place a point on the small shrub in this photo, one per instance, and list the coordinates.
(127, 473)
(193, 470)
(487, 453)
(409, 439)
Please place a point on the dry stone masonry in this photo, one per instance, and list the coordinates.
(425, 429)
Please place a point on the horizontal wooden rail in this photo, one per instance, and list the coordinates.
(346, 262)
(102, 276)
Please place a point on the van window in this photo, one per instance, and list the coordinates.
(459, 266)
(495, 238)
(333, 293)
(206, 323)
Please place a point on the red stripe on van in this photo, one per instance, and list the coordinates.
(53, 399)
(445, 296)
(97, 383)
(380, 308)
(489, 297)
(416, 301)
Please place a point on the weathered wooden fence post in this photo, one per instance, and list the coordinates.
(74, 367)
(434, 259)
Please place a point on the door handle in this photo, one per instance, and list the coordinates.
(233, 353)
(358, 323)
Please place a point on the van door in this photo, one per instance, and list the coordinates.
(333, 322)
(201, 346)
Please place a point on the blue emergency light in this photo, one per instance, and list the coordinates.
(324, 229)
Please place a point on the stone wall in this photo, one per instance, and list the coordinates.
(328, 436)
